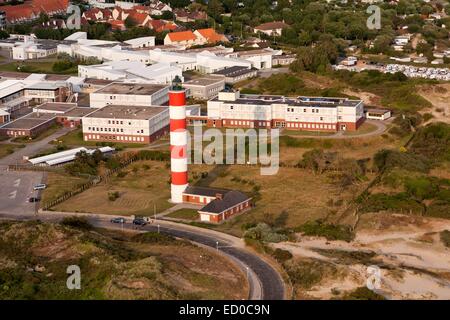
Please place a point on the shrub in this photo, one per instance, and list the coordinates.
(363, 293)
(445, 237)
(155, 237)
(76, 222)
(330, 231)
(281, 255)
(263, 232)
(400, 202)
(113, 196)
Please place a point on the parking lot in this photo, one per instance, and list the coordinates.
(15, 189)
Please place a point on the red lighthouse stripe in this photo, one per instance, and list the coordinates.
(177, 98)
(178, 152)
(179, 178)
(177, 124)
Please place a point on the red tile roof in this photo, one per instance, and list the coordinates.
(211, 35)
(31, 10)
(272, 25)
(182, 36)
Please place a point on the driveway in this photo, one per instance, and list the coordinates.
(32, 148)
(15, 189)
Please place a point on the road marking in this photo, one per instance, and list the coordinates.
(17, 183)
(13, 194)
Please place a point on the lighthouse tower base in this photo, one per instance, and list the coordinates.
(177, 192)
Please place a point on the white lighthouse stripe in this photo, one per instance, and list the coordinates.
(178, 165)
(178, 138)
(177, 113)
(177, 192)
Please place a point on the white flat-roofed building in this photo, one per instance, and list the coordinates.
(206, 87)
(131, 94)
(231, 109)
(131, 71)
(143, 42)
(126, 124)
(260, 58)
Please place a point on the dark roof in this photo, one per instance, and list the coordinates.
(205, 191)
(229, 200)
(234, 71)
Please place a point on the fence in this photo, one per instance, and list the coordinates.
(127, 159)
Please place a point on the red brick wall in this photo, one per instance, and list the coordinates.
(351, 126)
(228, 123)
(107, 137)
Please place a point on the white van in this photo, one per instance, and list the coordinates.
(40, 186)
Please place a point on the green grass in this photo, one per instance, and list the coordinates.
(364, 129)
(187, 214)
(8, 148)
(75, 138)
(36, 66)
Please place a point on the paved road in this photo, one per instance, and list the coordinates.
(32, 148)
(15, 189)
(265, 282)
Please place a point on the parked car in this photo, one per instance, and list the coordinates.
(40, 186)
(34, 199)
(139, 222)
(118, 220)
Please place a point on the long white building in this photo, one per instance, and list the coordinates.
(232, 109)
(123, 123)
(131, 71)
(131, 94)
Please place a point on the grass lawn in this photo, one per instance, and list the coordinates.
(8, 148)
(287, 199)
(75, 138)
(365, 128)
(139, 190)
(36, 66)
(188, 214)
(58, 184)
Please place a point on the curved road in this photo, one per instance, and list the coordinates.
(264, 281)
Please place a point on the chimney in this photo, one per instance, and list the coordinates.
(219, 196)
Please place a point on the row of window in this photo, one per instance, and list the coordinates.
(111, 129)
(118, 138)
(310, 126)
(304, 110)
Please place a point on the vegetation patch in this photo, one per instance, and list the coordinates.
(320, 228)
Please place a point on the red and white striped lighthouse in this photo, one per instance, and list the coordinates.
(178, 142)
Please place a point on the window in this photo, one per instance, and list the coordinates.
(304, 110)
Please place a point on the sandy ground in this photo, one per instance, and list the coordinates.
(413, 261)
(439, 96)
(368, 98)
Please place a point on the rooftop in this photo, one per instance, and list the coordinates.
(56, 106)
(127, 112)
(229, 200)
(272, 25)
(316, 102)
(234, 71)
(78, 112)
(29, 121)
(131, 88)
(205, 191)
(204, 81)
